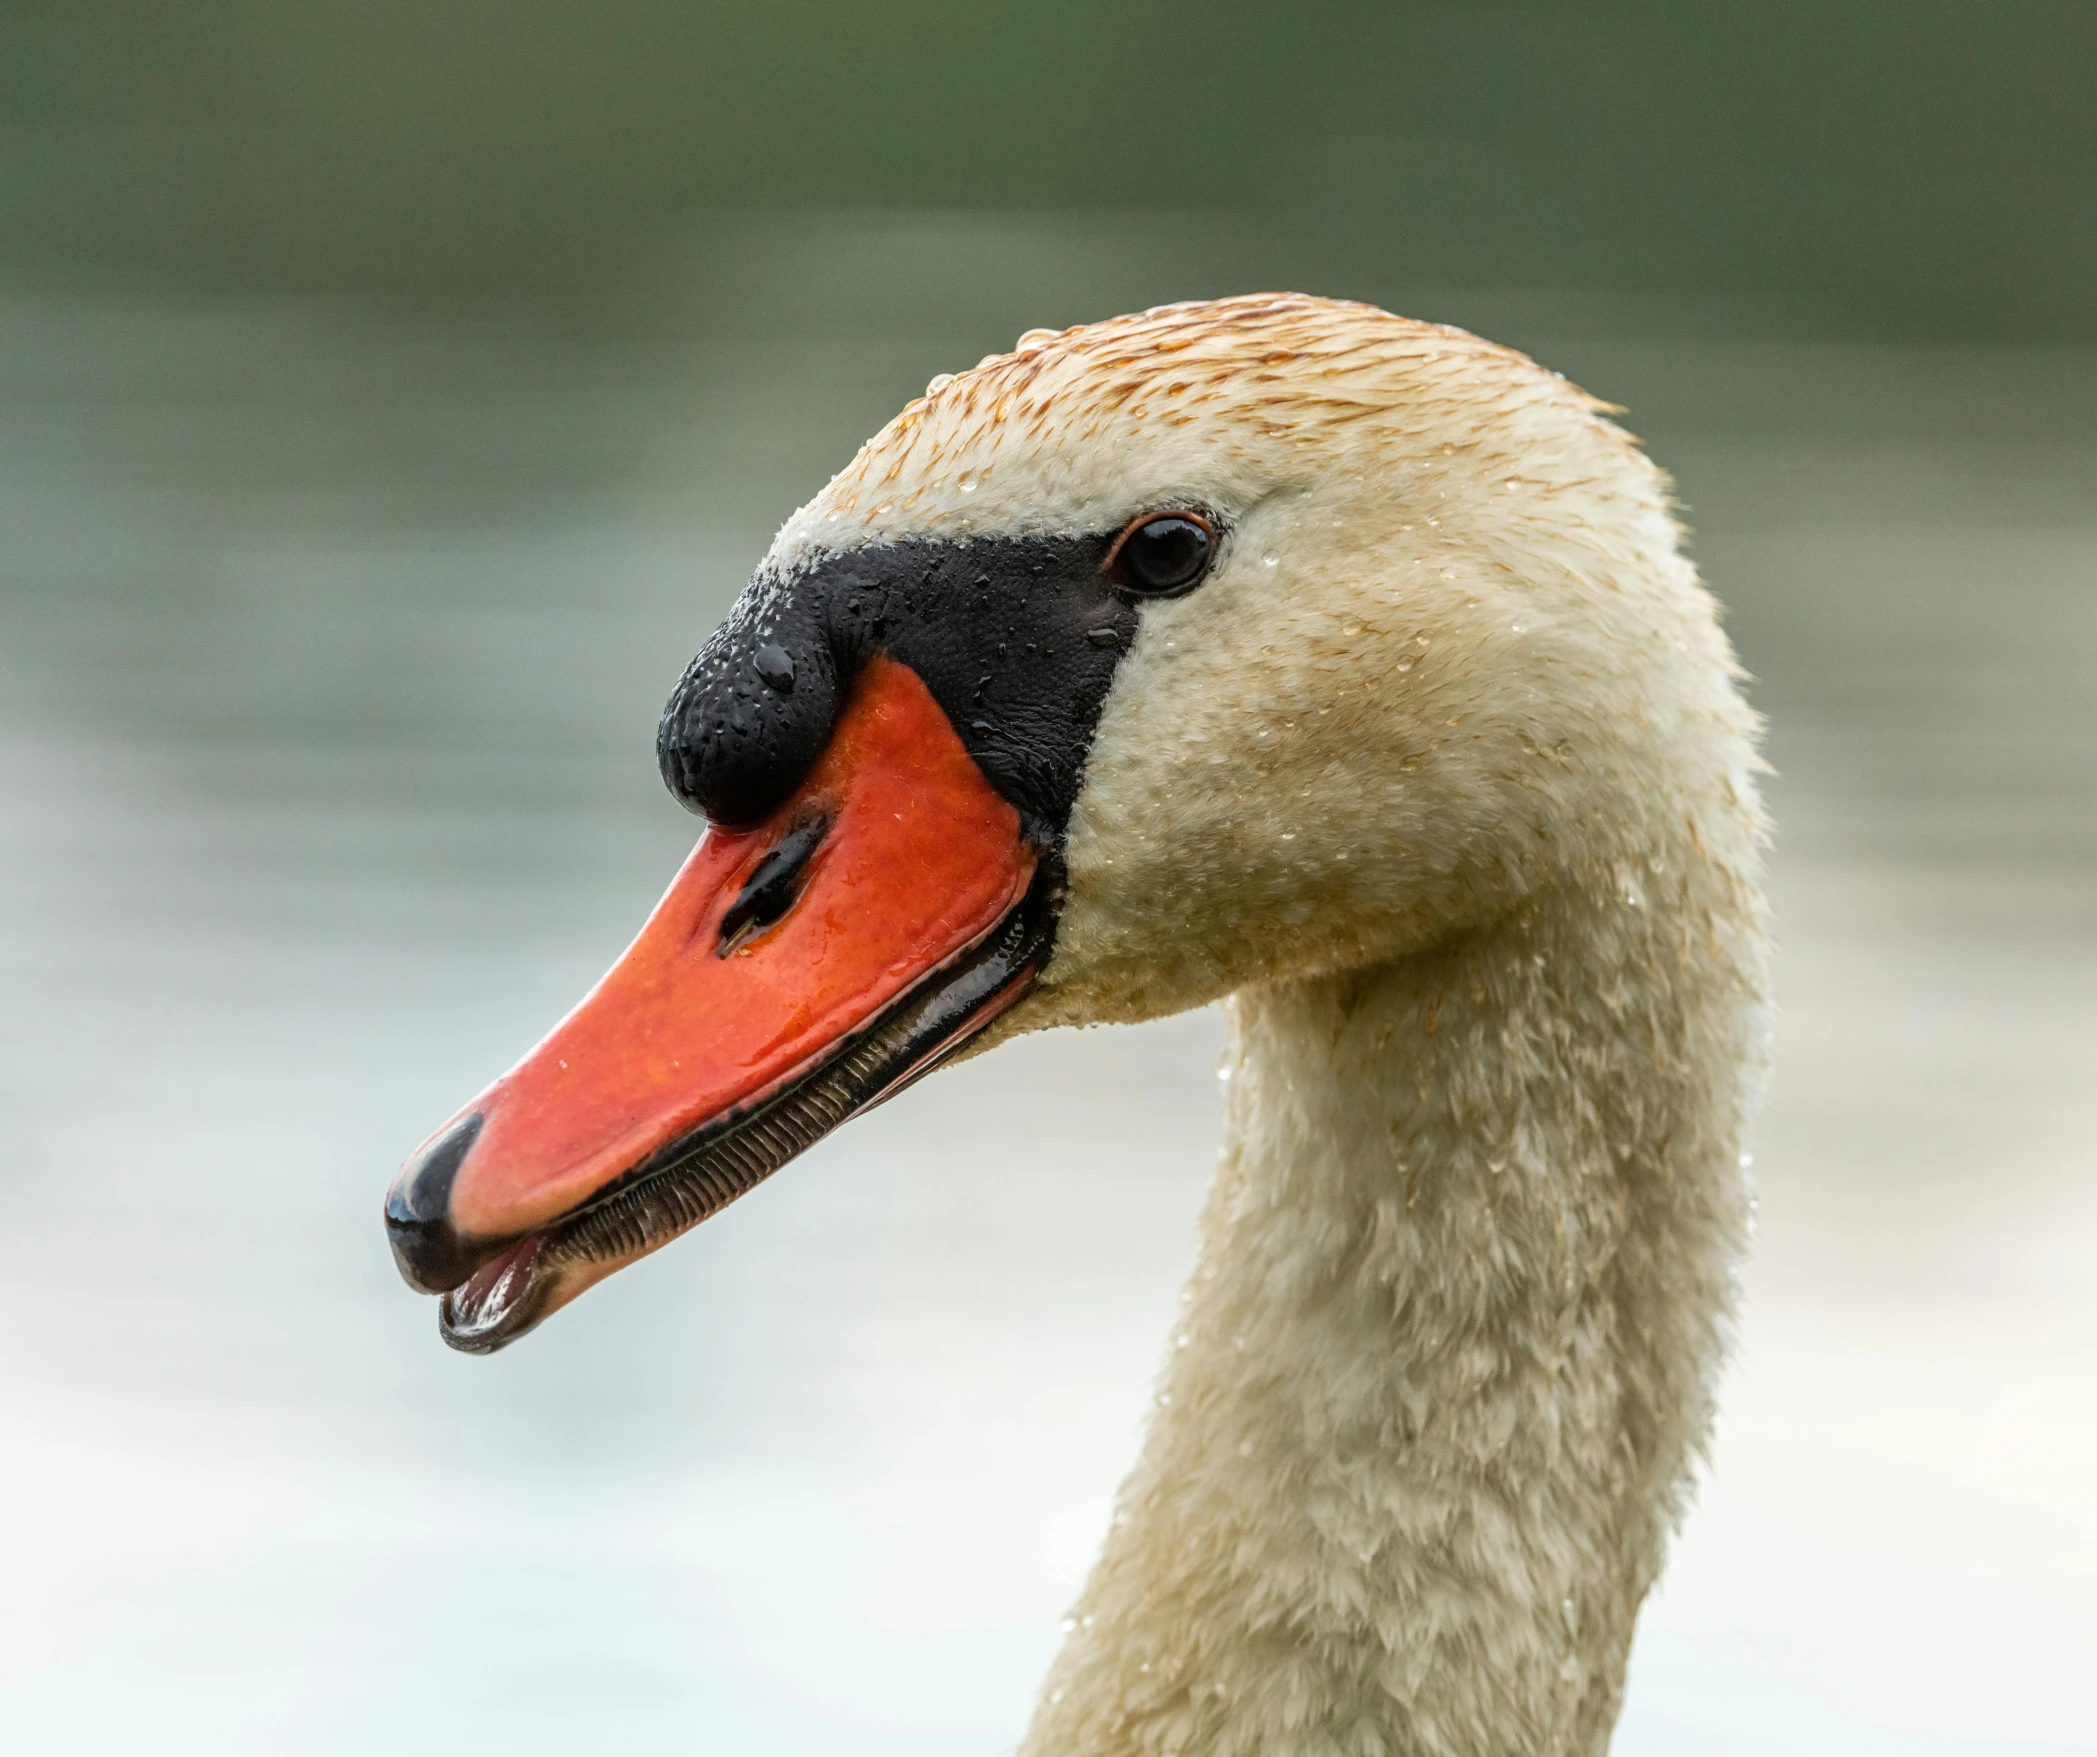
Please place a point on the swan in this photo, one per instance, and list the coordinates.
(1345, 669)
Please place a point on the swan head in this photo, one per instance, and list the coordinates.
(1214, 646)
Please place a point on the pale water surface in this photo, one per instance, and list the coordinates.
(330, 650)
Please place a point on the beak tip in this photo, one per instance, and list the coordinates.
(427, 1248)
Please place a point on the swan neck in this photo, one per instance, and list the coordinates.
(1448, 1350)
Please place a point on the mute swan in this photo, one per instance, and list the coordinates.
(1282, 650)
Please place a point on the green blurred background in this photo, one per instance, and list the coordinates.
(391, 398)
(1916, 168)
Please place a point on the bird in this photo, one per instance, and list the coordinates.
(1344, 669)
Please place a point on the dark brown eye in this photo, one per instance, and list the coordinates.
(1162, 553)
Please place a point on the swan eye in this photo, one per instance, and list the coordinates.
(1162, 553)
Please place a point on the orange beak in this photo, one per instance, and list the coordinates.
(794, 973)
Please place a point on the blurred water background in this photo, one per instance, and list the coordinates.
(391, 400)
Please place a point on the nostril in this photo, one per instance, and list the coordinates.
(772, 887)
(426, 1245)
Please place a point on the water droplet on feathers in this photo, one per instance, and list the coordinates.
(775, 668)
